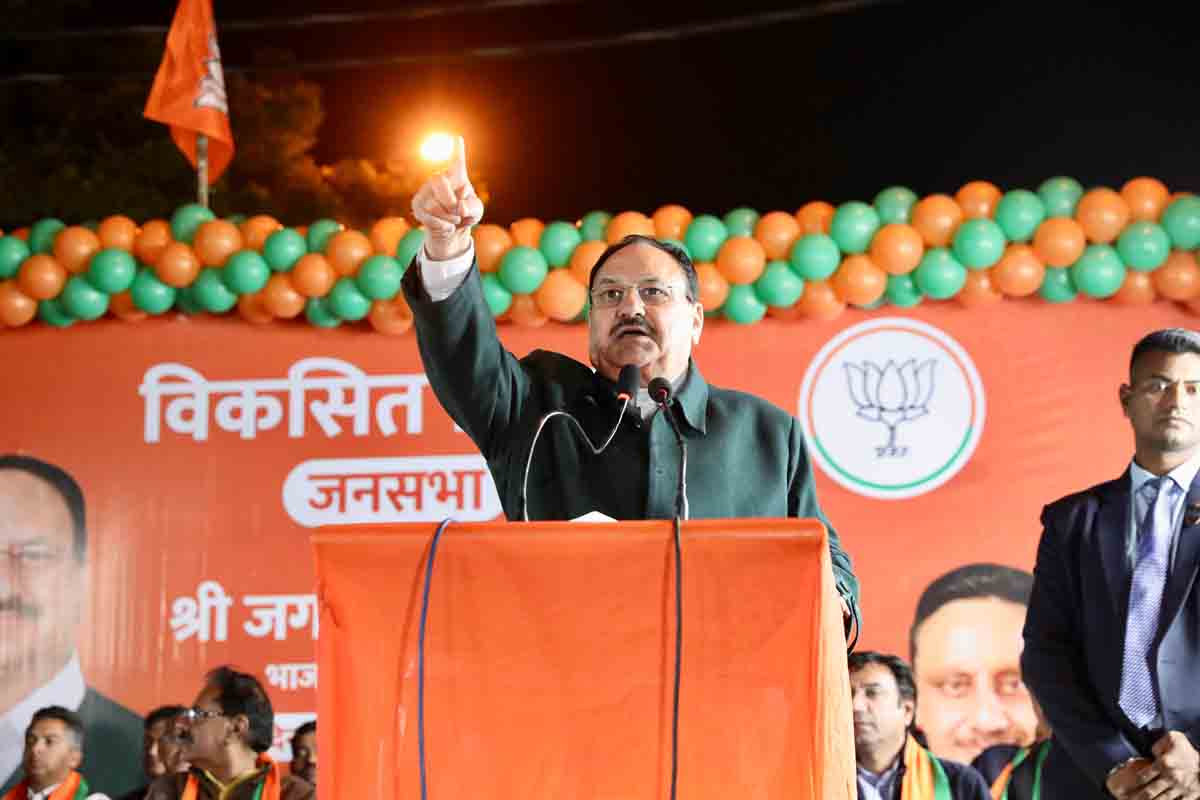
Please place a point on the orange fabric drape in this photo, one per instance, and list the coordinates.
(65, 791)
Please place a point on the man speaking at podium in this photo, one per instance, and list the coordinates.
(746, 457)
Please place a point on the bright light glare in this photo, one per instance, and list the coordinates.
(437, 147)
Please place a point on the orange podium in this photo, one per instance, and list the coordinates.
(550, 655)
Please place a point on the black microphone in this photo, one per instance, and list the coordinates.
(660, 392)
(628, 381)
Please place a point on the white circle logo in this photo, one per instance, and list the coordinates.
(892, 408)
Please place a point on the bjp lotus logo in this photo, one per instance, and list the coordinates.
(891, 394)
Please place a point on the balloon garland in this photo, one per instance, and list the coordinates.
(977, 247)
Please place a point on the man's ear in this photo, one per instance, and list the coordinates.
(698, 322)
(1125, 394)
(75, 758)
(910, 712)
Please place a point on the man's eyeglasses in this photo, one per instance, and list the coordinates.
(31, 554)
(192, 715)
(612, 295)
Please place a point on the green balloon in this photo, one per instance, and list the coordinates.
(13, 253)
(592, 227)
(853, 225)
(815, 257)
(894, 204)
(978, 243)
(874, 304)
(347, 301)
(498, 298)
(187, 219)
(185, 301)
(1098, 272)
(320, 232)
(211, 293)
(284, 248)
(681, 245)
(779, 286)
(1059, 196)
(522, 270)
(52, 313)
(741, 221)
(742, 305)
(92, 225)
(939, 274)
(42, 233)
(1182, 221)
(112, 270)
(903, 291)
(379, 277)
(1018, 214)
(236, 219)
(558, 242)
(1144, 246)
(410, 243)
(82, 300)
(704, 237)
(1057, 286)
(150, 294)
(318, 313)
(246, 272)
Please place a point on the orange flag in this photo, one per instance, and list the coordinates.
(189, 89)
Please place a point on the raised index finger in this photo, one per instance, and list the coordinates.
(457, 170)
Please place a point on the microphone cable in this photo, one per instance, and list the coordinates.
(421, 657)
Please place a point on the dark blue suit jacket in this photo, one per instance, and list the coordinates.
(1075, 637)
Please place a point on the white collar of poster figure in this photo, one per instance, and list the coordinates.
(65, 689)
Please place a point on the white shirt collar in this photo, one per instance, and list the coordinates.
(42, 795)
(65, 689)
(1183, 475)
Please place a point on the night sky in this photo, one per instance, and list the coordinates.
(835, 107)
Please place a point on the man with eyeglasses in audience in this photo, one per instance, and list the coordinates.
(228, 732)
(746, 457)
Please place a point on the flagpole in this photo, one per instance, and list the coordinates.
(202, 169)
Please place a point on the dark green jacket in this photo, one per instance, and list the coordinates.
(746, 457)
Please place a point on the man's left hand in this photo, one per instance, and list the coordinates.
(1178, 762)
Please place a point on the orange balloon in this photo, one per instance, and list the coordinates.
(16, 308)
(820, 301)
(527, 232)
(584, 258)
(978, 199)
(1019, 272)
(627, 223)
(215, 241)
(386, 235)
(741, 259)
(561, 297)
(1059, 241)
(525, 312)
(1103, 214)
(257, 229)
(777, 231)
(117, 231)
(1146, 198)
(785, 312)
(21, 233)
(41, 277)
(859, 281)
(347, 250)
(280, 298)
(1179, 276)
(253, 308)
(122, 307)
(936, 218)
(391, 317)
(177, 265)
(491, 243)
(815, 217)
(302, 230)
(152, 240)
(671, 222)
(74, 248)
(979, 290)
(313, 275)
(1136, 290)
(897, 248)
(713, 286)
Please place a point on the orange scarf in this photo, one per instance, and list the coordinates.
(269, 789)
(924, 778)
(73, 788)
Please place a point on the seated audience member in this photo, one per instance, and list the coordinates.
(53, 751)
(229, 730)
(304, 752)
(158, 723)
(892, 765)
(170, 746)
